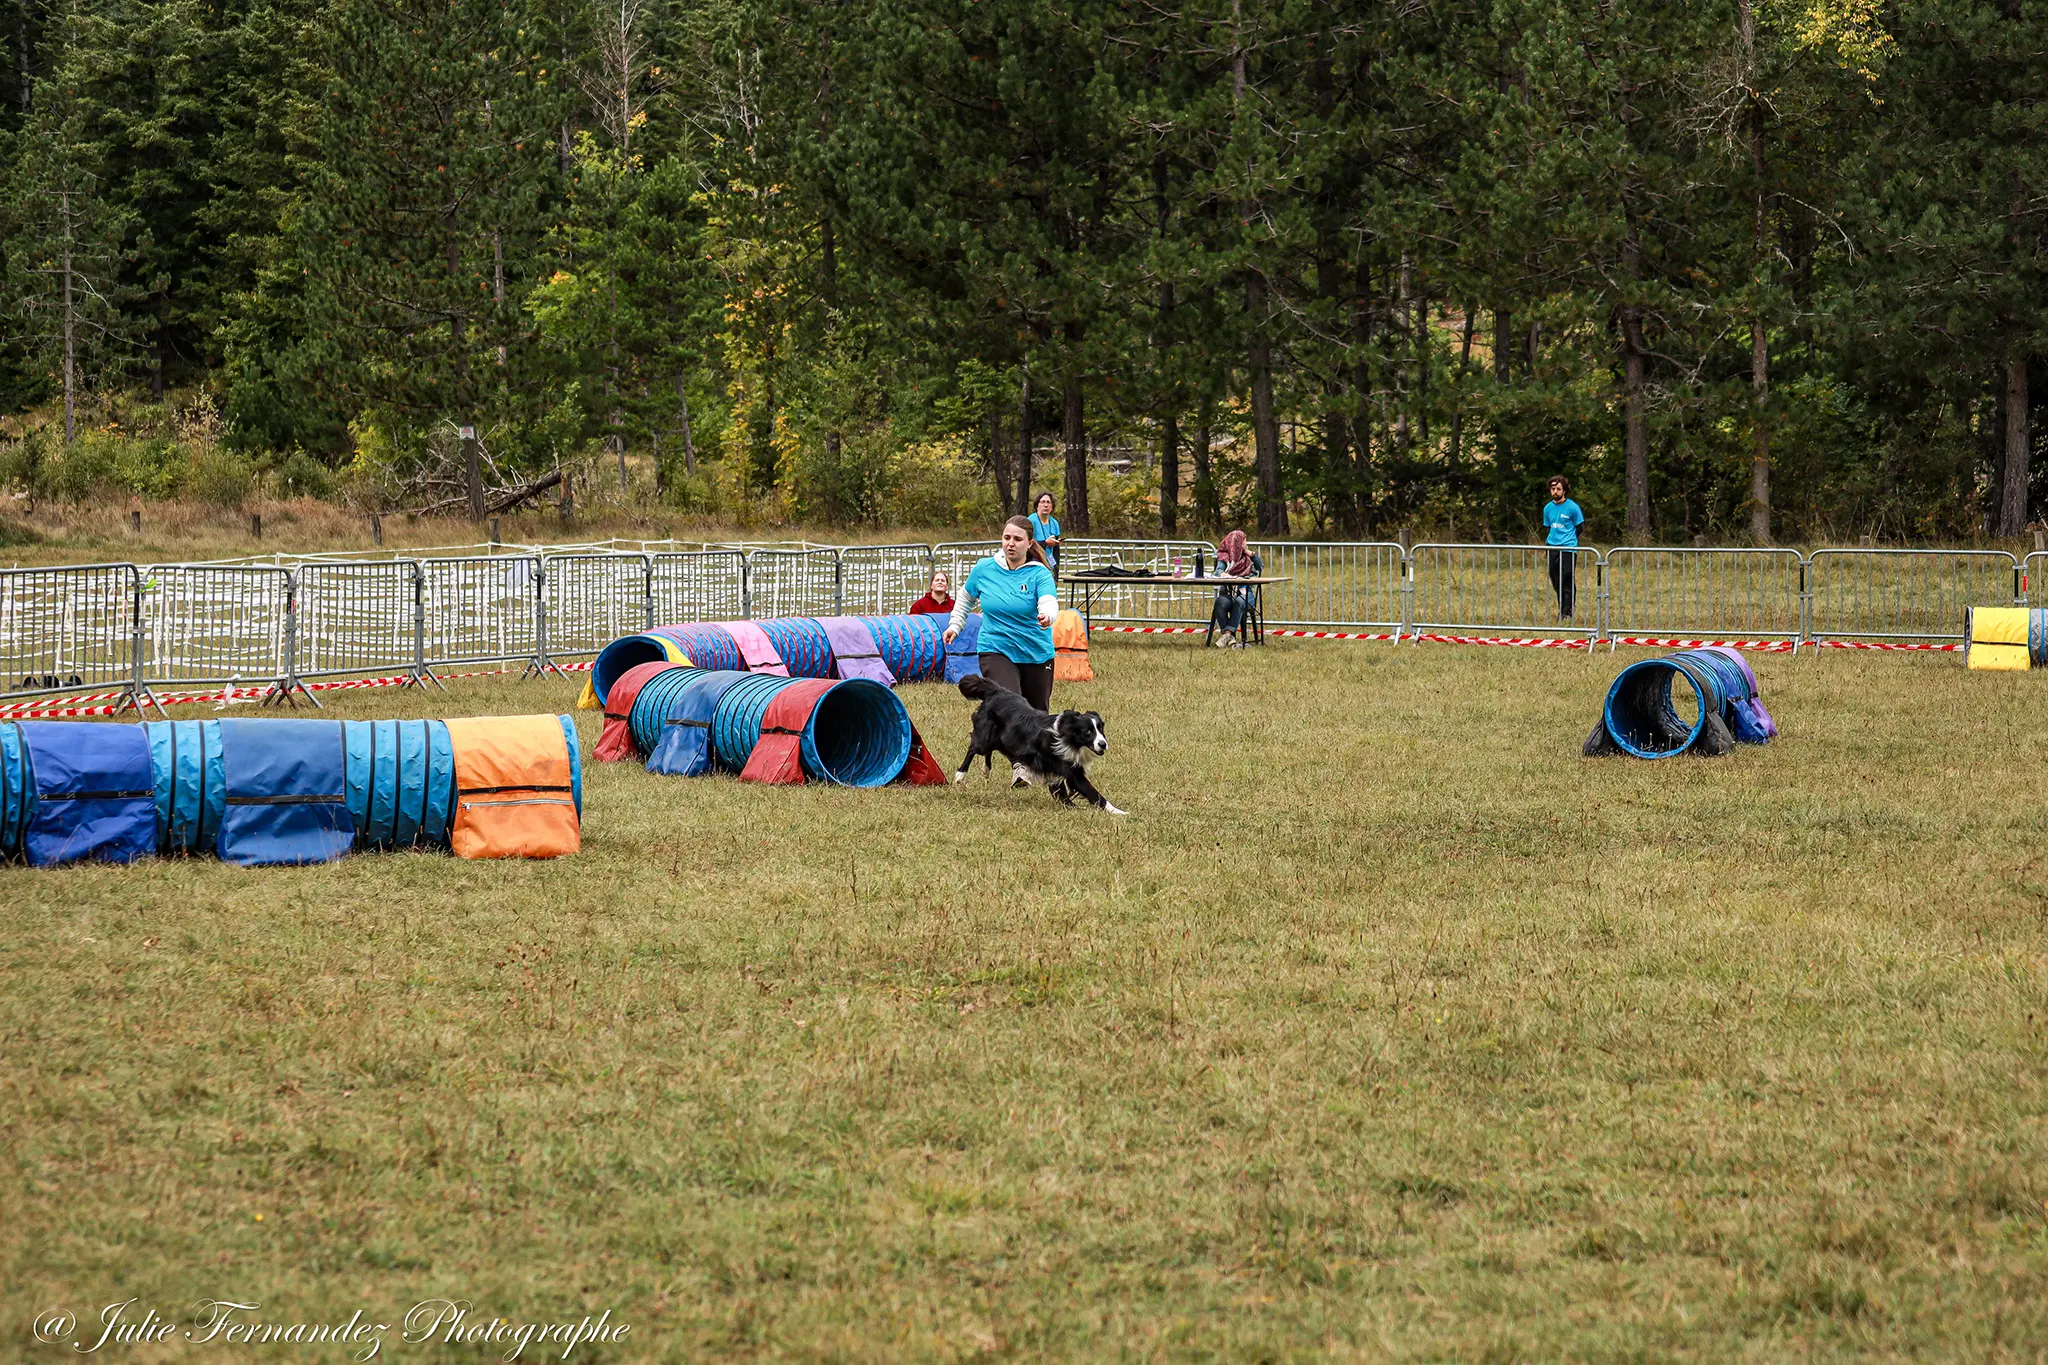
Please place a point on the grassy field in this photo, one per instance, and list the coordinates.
(1386, 1028)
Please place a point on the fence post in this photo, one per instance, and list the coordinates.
(1806, 605)
(838, 583)
(747, 584)
(1407, 626)
(138, 687)
(1600, 604)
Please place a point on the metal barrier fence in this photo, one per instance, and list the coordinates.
(358, 618)
(588, 601)
(877, 580)
(69, 627)
(698, 586)
(1904, 594)
(482, 609)
(207, 624)
(1348, 586)
(791, 583)
(1746, 594)
(119, 626)
(1494, 588)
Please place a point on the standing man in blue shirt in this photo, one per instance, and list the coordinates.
(1561, 522)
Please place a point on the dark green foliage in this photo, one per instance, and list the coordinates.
(1738, 270)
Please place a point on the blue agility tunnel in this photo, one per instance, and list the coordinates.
(617, 658)
(963, 656)
(1644, 718)
(856, 735)
(287, 792)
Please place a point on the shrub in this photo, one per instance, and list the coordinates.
(220, 479)
(299, 475)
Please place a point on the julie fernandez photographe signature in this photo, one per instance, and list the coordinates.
(236, 1322)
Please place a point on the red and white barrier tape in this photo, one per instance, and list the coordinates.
(44, 708)
(1659, 642)
(1953, 647)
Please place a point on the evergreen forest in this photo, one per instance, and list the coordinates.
(1746, 271)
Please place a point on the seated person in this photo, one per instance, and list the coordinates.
(938, 601)
(1234, 559)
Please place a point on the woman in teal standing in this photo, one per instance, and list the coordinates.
(1019, 603)
(1045, 532)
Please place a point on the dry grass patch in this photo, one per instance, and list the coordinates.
(1387, 1028)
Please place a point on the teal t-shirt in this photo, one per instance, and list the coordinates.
(1044, 528)
(1009, 609)
(1561, 521)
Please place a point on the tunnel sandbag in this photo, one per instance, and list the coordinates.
(736, 721)
(913, 647)
(757, 652)
(1739, 709)
(805, 649)
(778, 755)
(94, 794)
(663, 699)
(17, 790)
(683, 716)
(615, 743)
(963, 657)
(921, 767)
(515, 788)
(1760, 719)
(1997, 639)
(627, 652)
(190, 777)
(1642, 717)
(287, 792)
(1070, 648)
(855, 651)
(708, 644)
(2037, 636)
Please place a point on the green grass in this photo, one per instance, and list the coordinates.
(1387, 1028)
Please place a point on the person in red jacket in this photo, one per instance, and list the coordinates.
(937, 602)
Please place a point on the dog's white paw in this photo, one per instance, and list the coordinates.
(1113, 810)
(960, 776)
(1020, 776)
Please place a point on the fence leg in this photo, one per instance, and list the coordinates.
(422, 672)
(540, 665)
(282, 688)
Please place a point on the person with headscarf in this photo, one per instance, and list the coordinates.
(1234, 559)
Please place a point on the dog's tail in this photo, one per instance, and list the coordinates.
(978, 688)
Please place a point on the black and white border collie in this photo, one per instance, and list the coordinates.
(1056, 748)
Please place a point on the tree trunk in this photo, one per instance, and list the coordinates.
(1503, 346)
(2012, 516)
(689, 446)
(473, 472)
(1337, 463)
(70, 333)
(1205, 478)
(1760, 433)
(1169, 475)
(1272, 515)
(1074, 432)
(1635, 427)
(1027, 438)
(1458, 406)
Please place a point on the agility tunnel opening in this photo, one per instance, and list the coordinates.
(856, 733)
(2005, 639)
(622, 655)
(1658, 707)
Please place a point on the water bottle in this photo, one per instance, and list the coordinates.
(1198, 561)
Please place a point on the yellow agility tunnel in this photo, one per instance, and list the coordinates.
(2005, 639)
